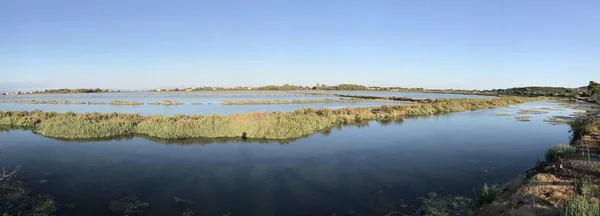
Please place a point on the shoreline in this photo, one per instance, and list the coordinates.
(261, 125)
(565, 183)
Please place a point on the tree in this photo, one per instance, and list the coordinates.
(594, 88)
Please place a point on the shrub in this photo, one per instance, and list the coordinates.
(582, 126)
(387, 108)
(487, 194)
(559, 152)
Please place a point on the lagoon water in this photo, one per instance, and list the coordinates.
(210, 102)
(368, 169)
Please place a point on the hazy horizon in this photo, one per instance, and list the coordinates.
(137, 45)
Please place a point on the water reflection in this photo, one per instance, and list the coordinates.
(366, 169)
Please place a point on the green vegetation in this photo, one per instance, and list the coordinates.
(252, 102)
(261, 125)
(586, 202)
(593, 88)
(539, 91)
(166, 102)
(559, 152)
(502, 114)
(582, 126)
(486, 194)
(523, 118)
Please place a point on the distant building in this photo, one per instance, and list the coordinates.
(158, 90)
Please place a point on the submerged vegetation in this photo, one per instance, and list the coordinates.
(166, 102)
(129, 205)
(17, 199)
(523, 118)
(263, 125)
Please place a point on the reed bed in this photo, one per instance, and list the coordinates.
(52, 102)
(260, 125)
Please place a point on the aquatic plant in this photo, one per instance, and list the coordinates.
(523, 118)
(275, 125)
(450, 205)
(559, 152)
(128, 205)
(486, 194)
(17, 199)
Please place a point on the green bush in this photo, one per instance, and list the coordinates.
(559, 152)
(487, 194)
(582, 126)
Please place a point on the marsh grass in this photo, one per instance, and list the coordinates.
(559, 152)
(523, 118)
(585, 203)
(527, 112)
(53, 102)
(260, 125)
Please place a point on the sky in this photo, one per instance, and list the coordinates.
(141, 44)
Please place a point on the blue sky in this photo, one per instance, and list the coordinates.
(132, 44)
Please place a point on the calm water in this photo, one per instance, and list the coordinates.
(210, 101)
(416, 95)
(371, 169)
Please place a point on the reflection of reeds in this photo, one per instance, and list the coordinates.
(166, 102)
(276, 125)
(128, 103)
